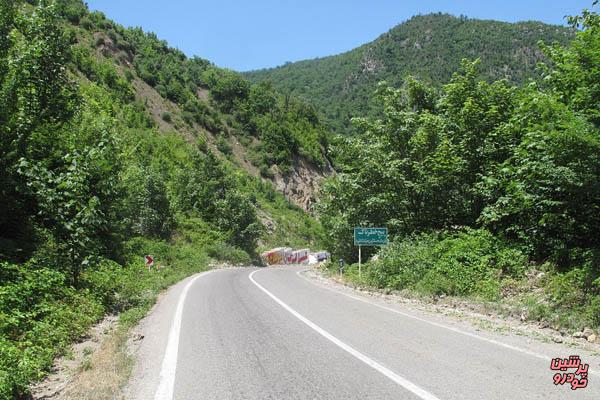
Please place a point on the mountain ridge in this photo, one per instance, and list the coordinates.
(429, 47)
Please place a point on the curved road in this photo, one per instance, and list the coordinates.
(272, 333)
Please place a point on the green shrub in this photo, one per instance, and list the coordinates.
(201, 144)
(266, 171)
(129, 75)
(113, 35)
(478, 264)
(190, 256)
(99, 41)
(255, 157)
(464, 260)
(468, 262)
(565, 289)
(593, 311)
(226, 252)
(223, 145)
(39, 317)
(245, 140)
(86, 23)
(188, 118)
(104, 282)
(572, 299)
(404, 263)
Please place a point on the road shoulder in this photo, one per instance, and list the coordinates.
(459, 313)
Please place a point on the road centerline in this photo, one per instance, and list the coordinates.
(405, 383)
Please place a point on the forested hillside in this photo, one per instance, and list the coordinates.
(113, 146)
(429, 47)
(490, 190)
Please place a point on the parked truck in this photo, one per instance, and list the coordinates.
(286, 255)
(302, 256)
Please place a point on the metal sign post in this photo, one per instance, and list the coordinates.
(359, 261)
(368, 237)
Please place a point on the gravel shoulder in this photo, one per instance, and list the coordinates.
(469, 314)
(66, 369)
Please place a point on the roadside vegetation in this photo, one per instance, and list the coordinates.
(489, 190)
(89, 184)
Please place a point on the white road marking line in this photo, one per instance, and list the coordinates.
(169, 365)
(417, 390)
(450, 328)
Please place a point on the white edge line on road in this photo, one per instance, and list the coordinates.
(420, 392)
(450, 328)
(166, 383)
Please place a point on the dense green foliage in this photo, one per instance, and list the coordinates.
(41, 315)
(465, 262)
(89, 183)
(429, 47)
(520, 164)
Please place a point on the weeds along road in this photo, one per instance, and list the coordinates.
(271, 333)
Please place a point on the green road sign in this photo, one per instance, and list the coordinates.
(370, 236)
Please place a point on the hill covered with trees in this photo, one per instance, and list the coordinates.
(429, 47)
(114, 145)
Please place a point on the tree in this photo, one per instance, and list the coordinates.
(262, 98)
(149, 204)
(226, 86)
(236, 216)
(417, 168)
(547, 194)
(78, 201)
(574, 71)
(211, 192)
(36, 97)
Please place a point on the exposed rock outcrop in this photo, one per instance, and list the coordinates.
(303, 183)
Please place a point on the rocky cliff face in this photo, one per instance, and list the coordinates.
(302, 184)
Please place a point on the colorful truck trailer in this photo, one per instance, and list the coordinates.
(285, 255)
(302, 256)
(292, 257)
(274, 256)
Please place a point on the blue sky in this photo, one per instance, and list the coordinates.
(252, 34)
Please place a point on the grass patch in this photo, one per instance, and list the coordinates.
(104, 374)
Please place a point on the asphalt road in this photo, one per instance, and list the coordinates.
(272, 333)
